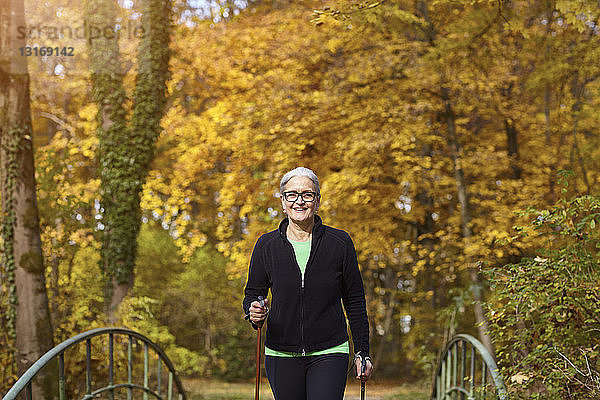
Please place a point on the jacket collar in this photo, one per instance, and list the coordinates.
(318, 227)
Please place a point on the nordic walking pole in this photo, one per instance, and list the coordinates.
(362, 383)
(258, 340)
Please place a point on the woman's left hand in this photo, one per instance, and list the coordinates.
(368, 369)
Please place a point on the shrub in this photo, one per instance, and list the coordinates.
(545, 311)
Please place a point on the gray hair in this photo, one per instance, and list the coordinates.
(300, 171)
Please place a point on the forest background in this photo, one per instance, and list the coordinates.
(437, 129)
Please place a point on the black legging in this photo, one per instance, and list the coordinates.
(307, 378)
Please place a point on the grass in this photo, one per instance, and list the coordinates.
(202, 389)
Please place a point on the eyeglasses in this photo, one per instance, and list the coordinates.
(308, 197)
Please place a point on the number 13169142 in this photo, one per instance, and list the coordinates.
(46, 51)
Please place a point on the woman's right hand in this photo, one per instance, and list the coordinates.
(258, 313)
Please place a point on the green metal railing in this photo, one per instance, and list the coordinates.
(156, 389)
(467, 371)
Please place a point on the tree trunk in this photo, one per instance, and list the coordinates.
(22, 259)
(463, 200)
(125, 152)
(512, 146)
(577, 89)
(109, 95)
(548, 133)
(465, 218)
(390, 311)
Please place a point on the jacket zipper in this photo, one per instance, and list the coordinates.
(301, 297)
(313, 250)
(310, 258)
(302, 315)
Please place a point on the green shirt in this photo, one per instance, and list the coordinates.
(302, 251)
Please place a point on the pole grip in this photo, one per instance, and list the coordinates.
(261, 300)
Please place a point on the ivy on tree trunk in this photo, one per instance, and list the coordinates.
(126, 151)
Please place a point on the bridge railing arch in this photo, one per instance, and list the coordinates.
(467, 371)
(161, 388)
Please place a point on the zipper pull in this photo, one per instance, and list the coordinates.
(303, 353)
(302, 281)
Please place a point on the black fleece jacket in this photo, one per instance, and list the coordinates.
(308, 317)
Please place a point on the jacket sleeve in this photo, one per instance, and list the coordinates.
(353, 297)
(258, 282)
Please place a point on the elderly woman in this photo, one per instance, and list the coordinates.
(309, 268)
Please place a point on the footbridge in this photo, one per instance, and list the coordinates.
(118, 363)
(467, 371)
(131, 366)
